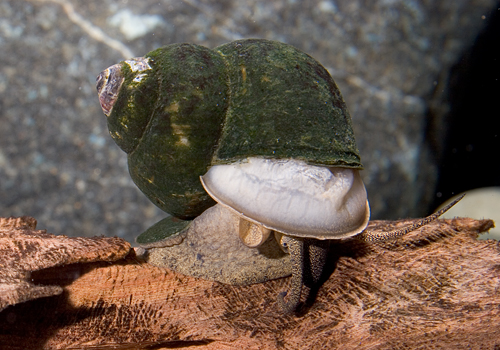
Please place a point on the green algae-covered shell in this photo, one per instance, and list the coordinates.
(283, 104)
(187, 108)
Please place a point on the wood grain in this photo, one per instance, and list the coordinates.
(23, 250)
(435, 288)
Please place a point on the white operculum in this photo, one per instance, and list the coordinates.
(292, 197)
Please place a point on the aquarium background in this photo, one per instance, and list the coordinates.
(420, 78)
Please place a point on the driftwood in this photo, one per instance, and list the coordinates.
(437, 287)
(24, 249)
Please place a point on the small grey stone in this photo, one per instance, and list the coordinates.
(212, 250)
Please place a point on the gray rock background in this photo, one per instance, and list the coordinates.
(390, 58)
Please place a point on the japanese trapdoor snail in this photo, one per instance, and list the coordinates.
(255, 125)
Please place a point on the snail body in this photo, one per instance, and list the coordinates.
(264, 126)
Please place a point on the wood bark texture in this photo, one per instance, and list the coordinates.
(437, 287)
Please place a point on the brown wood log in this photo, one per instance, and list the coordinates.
(438, 287)
(23, 249)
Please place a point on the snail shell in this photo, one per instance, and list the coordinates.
(184, 108)
(264, 126)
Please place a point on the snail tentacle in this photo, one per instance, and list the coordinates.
(296, 249)
(318, 254)
(368, 236)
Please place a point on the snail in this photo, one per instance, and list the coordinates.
(258, 127)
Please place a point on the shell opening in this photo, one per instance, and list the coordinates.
(292, 197)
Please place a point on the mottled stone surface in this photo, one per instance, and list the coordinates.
(58, 163)
(213, 251)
